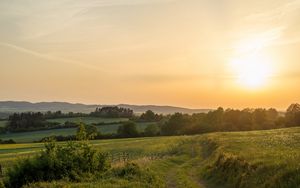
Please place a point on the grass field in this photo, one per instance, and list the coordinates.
(88, 120)
(25, 137)
(2, 123)
(240, 159)
(254, 159)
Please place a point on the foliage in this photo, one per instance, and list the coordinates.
(10, 141)
(57, 162)
(81, 133)
(128, 130)
(128, 171)
(152, 130)
(112, 112)
(176, 125)
(86, 132)
(25, 121)
(92, 131)
(60, 114)
(128, 175)
(222, 120)
(293, 115)
(32, 121)
(150, 116)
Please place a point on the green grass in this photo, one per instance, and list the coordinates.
(88, 120)
(239, 159)
(136, 148)
(26, 137)
(3, 123)
(253, 159)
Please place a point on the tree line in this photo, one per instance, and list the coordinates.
(33, 121)
(213, 121)
(175, 124)
(112, 112)
(231, 120)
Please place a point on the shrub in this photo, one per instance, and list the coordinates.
(129, 170)
(72, 162)
(10, 141)
(128, 130)
(132, 172)
(152, 130)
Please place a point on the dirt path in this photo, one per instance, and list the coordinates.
(171, 179)
(183, 170)
(184, 176)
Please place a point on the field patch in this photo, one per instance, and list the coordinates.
(26, 137)
(88, 120)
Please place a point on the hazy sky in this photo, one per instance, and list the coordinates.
(192, 53)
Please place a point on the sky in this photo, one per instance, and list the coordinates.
(190, 53)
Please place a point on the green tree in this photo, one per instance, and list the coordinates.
(149, 115)
(152, 130)
(259, 118)
(91, 131)
(293, 115)
(81, 132)
(128, 129)
(178, 124)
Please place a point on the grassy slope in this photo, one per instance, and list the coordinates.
(240, 159)
(137, 147)
(26, 137)
(254, 159)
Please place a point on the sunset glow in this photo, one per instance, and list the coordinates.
(253, 71)
(166, 52)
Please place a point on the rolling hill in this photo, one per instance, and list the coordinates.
(7, 107)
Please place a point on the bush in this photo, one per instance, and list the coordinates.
(132, 172)
(10, 141)
(152, 130)
(128, 130)
(73, 161)
(129, 170)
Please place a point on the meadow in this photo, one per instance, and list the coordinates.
(227, 159)
(27, 137)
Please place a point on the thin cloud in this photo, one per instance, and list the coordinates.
(279, 18)
(48, 57)
(276, 13)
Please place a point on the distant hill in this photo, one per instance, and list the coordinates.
(7, 107)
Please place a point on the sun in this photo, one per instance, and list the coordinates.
(252, 71)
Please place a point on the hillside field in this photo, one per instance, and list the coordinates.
(88, 120)
(239, 159)
(26, 137)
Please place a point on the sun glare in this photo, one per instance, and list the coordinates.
(252, 71)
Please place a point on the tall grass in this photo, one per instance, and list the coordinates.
(253, 159)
